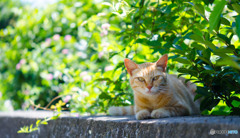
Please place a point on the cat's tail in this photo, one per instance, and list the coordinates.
(123, 110)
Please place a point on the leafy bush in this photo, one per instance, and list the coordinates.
(9, 12)
(74, 51)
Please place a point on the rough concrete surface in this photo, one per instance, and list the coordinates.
(117, 126)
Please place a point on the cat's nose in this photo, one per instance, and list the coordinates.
(149, 87)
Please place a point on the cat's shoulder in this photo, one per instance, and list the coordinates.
(173, 76)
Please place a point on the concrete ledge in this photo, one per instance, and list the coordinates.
(116, 126)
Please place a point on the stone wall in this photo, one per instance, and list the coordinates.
(117, 126)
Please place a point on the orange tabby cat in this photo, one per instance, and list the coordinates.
(157, 94)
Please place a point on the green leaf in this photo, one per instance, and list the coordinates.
(202, 91)
(208, 103)
(223, 50)
(34, 129)
(119, 65)
(142, 41)
(193, 73)
(210, 45)
(198, 96)
(37, 123)
(153, 3)
(23, 129)
(94, 57)
(114, 28)
(215, 15)
(112, 54)
(105, 79)
(55, 117)
(153, 43)
(181, 52)
(225, 21)
(197, 46)
(182, 60)
(227, 61)
(206, 54)
(31, 127)
(97, 37)
(238, 26)
(118, 14)
(207, 72)
(224, 38)
(197, 38)
(207, 2)
(182, 70)
(200, 9)
(188, 71)
(206, 36)
(107, 4)
(44, 122)
(235, 101)
(91, 26)
(236, 7)
(207, 67)
(192, 55)
(104, 95)
(220, 113)
(177, 47)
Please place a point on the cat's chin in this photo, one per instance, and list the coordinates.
(150, 93)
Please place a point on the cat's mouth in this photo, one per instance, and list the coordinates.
(150, 92)
(154, 92)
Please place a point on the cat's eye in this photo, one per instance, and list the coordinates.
(155, 78)
(141, 79)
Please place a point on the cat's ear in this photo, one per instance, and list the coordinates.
(162, 62)
(130, 65)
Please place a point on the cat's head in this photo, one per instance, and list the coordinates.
(148, 78)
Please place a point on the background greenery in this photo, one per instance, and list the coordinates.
(72, 51)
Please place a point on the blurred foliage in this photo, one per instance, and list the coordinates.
(9, 12)
(74, 50)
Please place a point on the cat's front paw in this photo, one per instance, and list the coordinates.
(143, 114)
(160, 113)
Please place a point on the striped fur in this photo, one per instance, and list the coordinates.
(157, 94)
